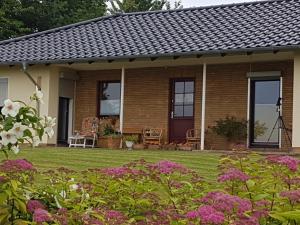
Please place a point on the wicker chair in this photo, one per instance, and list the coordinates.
(88, 133)
(152, 136)
(193, 137)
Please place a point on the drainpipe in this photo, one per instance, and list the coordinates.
(24, 69)
(122, 100)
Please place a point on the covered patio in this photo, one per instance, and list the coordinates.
(149, 93)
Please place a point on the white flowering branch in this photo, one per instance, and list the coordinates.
(20, 123)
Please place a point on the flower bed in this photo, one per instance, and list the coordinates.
(249, 190)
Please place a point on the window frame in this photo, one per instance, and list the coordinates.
(7, 79)
(99, 97)
(173, 93)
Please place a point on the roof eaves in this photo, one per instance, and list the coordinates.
(204, 53)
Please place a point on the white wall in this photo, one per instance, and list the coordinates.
(21, 88)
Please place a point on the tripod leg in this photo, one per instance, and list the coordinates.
(277, 121)
(285, 130)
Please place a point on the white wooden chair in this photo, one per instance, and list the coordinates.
(87, 136)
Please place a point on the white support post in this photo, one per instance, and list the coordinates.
(280, 113)
(122, 100)
(203, 106)
(248, 113)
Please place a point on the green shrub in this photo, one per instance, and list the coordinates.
(132, 138)
(231, 128)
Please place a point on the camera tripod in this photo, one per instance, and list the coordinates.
(280, 125)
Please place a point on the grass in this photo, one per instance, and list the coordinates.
(81, 159)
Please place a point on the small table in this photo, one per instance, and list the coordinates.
(80, 141)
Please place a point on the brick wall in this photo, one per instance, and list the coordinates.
(147, 94)
(146, 97)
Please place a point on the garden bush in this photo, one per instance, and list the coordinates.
(249, 190)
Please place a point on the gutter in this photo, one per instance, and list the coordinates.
(170, 54)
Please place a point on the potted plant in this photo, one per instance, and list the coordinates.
(233, 129)
(110, 139)
(130, 141)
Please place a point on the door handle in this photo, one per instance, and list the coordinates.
(172, 115)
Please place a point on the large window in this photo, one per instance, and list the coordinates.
(109, 98)
(264, 112)
(3, 90)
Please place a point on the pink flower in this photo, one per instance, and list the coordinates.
(292, 181)
(168, 167)
(210, 215)
(293, 196)
(226, 203)
(18, 165)
(192, 215)
(248, 221)
(32, 205)
(112, 214)
(233, 174)
(288, 161)
(120, 171)
(40, 216)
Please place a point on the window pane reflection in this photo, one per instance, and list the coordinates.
(266, 94)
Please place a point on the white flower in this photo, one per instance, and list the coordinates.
(63, 194)
(10, 108)
(38, 95)
(49, 131)
(8, 138)
(74, 187)
(36, 141)
(15, 149)
(18, 130)
(49, 123)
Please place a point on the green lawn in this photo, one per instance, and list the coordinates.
(81, 159)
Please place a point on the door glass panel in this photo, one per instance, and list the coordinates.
(179, 99)
(266, 94)
(179, 87)
(188, 110)
(189, 98)
(178, 111)
(189, 87)
(183, 103)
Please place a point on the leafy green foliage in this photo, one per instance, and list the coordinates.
(249, 190)
(20, 17)
(231, 128)
(132, 138)
(127, 6)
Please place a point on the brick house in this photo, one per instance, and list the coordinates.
(175, 70)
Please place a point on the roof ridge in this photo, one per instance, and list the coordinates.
(24, 37)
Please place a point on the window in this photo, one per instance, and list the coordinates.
(264, 129)
(184, 99)
(3, 91)
(109, 95)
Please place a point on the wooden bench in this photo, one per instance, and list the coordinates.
(152, 136)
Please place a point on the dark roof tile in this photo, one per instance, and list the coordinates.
(255, 25)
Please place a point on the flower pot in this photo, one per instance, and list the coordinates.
(129, 144)
(138, 146)
(111, 142)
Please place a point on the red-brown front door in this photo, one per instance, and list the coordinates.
(181, 108)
